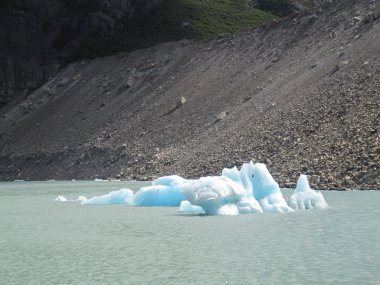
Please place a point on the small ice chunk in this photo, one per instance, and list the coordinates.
(80, 199)
(304, 198)
(187, 208)
(60, 199)
(159, 195)
(122, 196)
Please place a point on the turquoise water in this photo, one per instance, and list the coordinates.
(47, 242)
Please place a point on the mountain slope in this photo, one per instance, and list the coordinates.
(301, 95)
(38, 37)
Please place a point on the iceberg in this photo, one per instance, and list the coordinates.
(252, 189)
(304, 198)
(155, 195)
(171, 180)
(248, 203)
(217, 195)
(165, 191)
(263, 193)
(159, 195)
(122, 196)
(267, 192)
(187, 208)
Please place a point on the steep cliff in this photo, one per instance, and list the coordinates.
(37, 36)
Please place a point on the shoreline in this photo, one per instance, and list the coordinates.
(146, 181)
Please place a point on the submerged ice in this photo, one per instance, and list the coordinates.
(251, 189)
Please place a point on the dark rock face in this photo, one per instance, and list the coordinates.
(36, 36)
(287, 7)
(279, 7)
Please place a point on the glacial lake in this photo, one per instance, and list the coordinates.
(47, 242)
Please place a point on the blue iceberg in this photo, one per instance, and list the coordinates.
(164, 191)
(251, 189)
(304, 198)
(216, 195)
(159, 195)
(267, 192)
(187, 208)
(122, 196)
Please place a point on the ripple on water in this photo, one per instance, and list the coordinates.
(43, 242)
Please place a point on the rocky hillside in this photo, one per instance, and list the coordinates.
(37, 38)
(300, 94)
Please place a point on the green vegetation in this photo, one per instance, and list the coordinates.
(205, 18)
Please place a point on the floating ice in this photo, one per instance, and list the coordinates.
(60, 199)
(159, 195)
(63, 199)
(213, 193)
(251, 189)
(247, 204)
(122, 196)
(304, 198)
(79, 199)
(267, 191)
(171, 180)
(187, 208)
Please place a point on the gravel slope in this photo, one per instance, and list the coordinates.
(301, 95)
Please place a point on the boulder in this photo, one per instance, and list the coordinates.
(180, 102)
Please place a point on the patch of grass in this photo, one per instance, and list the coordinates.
(206, 18)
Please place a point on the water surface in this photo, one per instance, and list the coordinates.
(47, 242)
